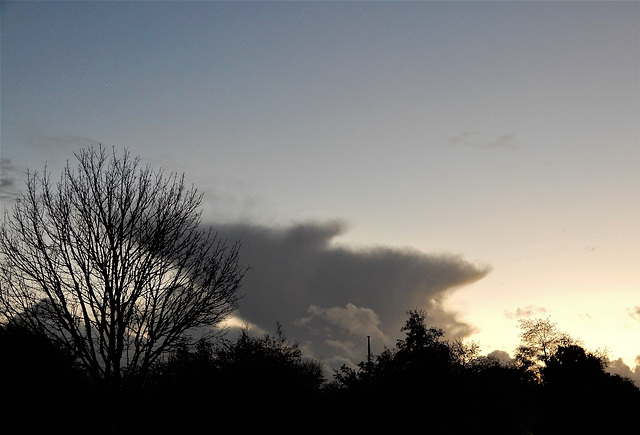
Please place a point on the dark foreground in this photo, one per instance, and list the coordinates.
(424, 385)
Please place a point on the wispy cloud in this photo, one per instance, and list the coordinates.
(54, 146)
(634, 312)
(9, 176)
(35, 138)
(476, 139)
(528, 311)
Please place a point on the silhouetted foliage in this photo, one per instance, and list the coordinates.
(420, 375)
(583, 397)
(540, 340)
(436, 386)
(38, 381)
(463, 353)
(264, 383)
(268, 363)
(269, 375)
(255, 382)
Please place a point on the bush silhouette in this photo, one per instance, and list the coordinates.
(262, 383)
(38, 382)
(255, 382)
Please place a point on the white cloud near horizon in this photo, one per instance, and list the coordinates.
(620, 368)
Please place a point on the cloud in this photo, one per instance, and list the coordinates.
(501, 356)
(618, 367)
(634, 312)
(34, 137)
(9, 174)
(476, 139)
(235, 322)
(57, 147)
(349, 322)
(354, 320)
(528, 311)
(586, 316)
(331, 297)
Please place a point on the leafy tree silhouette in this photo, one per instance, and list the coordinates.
(571, 365)
(581, 397)
(257, 383)
(402, 383)
(264, 383)
(268, 365)
(426, 383)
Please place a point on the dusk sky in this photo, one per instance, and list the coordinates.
(480, 160)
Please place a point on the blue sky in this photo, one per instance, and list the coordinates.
(505, 134)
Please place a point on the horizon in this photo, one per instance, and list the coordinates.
(478, 160)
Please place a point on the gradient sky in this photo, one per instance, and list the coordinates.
(500, 136)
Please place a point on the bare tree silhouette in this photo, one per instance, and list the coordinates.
(109, 262)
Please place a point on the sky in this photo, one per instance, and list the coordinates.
(480, 160)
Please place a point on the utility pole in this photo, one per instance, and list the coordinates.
(368, 349)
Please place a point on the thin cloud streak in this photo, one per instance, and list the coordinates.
(528, 311)
(35, 137)
(9, 175)
(634, 312)
(476, 139)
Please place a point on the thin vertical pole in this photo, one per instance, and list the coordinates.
(369, 349)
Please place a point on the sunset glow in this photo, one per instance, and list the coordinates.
(480, 159)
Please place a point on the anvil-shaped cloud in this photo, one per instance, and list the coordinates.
(329, 297)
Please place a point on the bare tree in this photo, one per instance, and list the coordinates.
(110, 263)
(540, 340)
(464, 353)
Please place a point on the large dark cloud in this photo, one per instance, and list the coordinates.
(330, 297)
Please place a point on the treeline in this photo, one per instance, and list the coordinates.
(425, 383)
